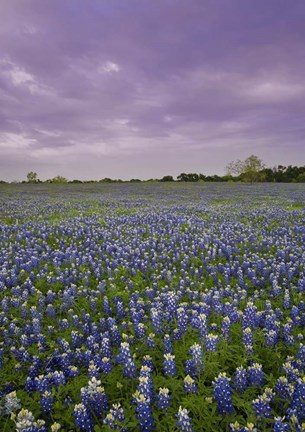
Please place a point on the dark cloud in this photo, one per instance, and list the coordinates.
(129, 89)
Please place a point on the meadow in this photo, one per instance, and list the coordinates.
(149, 306)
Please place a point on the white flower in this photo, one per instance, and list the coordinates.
(11, 402)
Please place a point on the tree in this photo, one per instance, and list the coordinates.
(58, 179)
(248, 170)
(191, 177)
(106, 180)
(167, 178)
(268, 175)
(32, 177)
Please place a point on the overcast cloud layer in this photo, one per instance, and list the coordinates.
(134, 88)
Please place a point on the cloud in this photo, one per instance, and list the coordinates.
(10, 142)
(273, 91)
(110, 67)
(19, 76)
(115, 82)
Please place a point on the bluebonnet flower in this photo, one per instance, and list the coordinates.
(72, 371)
(124, 353)
(140, 330)
(50, 296)
(286, 299)
(240, 379)
(190, 368)
(93, 370)
(12, 403)
(184, 421)
(156, 320)
(295, 315)
(182, 320)
(297, 405)
(249, 316)
(249, 428)
(247, 337)
(293, 374)
(46, 401)
(283, 388)
(64, 323)
(197, 356)
(25, 422)
(42, 383)
(90, 342)
(189, 385)
(50, 330)
(83, 418)
(145, 387)
(195, 365)
(105, 347)
(58, 378)
(223, 394)
(121, 313)
(262, 408)
(272, 328)
(18, 367)
(163, 398)
(129, 369)
(147, 361)
(226, 327)
(169, 366)
(24, 311)
(280, 426)
(287, 329)
(106, 365)
(211, 342)
(256, 375)
(115, 335)
(30, 385)
(106, 307)
(36, 325)
(65, 360)
(272, 337)
(171, 305)
(202, 326)
(50, 311)
(235, 427)
(167, 344)
(150, 343)
(115, 418)
(144, 412)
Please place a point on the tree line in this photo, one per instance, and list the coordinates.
(250, 170)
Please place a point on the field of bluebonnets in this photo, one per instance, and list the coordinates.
(141, 307)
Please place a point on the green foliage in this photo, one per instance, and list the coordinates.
(32, 177)
(58, 179)
(249, 170)
(191, 177)
(167, 178)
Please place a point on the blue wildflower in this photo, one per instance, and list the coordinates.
(189, 385)
(169, 366)
(256, 375)
(184, 421)
(163, 398)
(144, 413)
(223, 394)
(83, 418)
(240, 379)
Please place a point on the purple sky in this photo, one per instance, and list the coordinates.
(145, 88)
